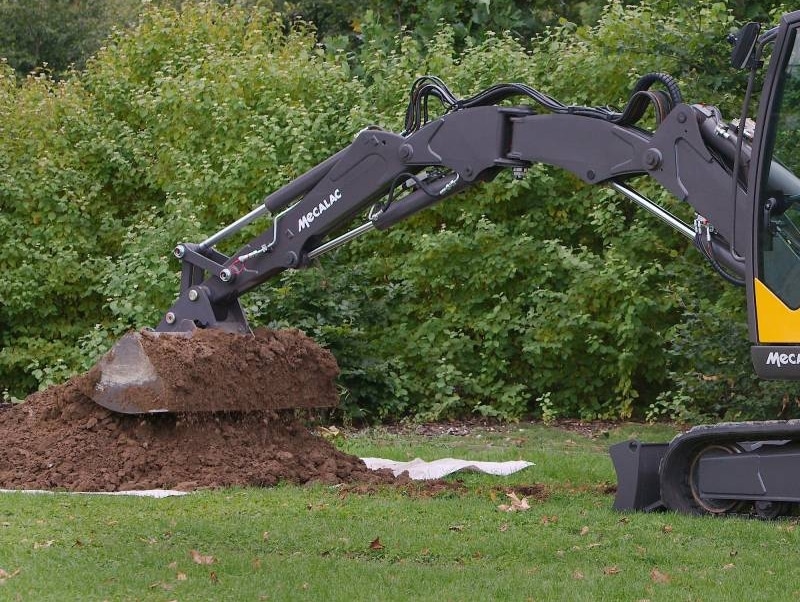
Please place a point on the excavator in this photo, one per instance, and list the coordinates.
(741, 178)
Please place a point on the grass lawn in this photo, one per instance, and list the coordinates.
(408, 543)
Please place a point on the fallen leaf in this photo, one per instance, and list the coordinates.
(728, 566)
(199, 558)
(376, 544)
(329, 432)
(181, 577)
(456, 527)
(503, 527)
(516, 505)
(43, 544)
(213, 577)
(658, 577)
(666, 529)
(584, 531)
(577, 575)
(5, 575)
(173, 565)
(265, 536)
(256, 563)
(611, 570)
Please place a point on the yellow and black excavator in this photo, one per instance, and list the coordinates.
(740, 176)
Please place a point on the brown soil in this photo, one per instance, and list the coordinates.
(61, 439)
(217, 370)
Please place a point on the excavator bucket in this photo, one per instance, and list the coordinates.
(211, 371)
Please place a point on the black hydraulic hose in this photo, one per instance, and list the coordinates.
(708, 253)
(670, 83)
(641, 98)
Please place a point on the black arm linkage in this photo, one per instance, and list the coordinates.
(462, 147)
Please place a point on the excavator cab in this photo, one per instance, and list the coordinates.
(773, 283)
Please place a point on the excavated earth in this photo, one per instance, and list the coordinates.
(60, 439)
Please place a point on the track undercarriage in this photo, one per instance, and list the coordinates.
(743, 468)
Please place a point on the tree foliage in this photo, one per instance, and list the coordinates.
(542, 296)
(57, 34)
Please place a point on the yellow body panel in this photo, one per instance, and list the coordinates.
(776, 322)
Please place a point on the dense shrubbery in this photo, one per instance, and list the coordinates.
(541, 296)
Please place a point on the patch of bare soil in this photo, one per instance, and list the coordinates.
(536, 491)
(433, 488)
(60, 439)
(462, 428)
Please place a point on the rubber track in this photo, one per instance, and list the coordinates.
(675, 489)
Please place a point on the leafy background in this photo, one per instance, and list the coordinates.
(542, 297)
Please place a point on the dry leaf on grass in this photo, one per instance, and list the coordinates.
(658, 577)
(199, 558)
(5, 575)
(611, 570)
(516, 504)
(376, 544)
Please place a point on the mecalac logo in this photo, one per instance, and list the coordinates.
(305, 220)
(776, 358)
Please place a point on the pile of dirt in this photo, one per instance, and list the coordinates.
(214, 370)
(61, 439)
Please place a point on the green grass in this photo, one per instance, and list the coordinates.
(314, 543)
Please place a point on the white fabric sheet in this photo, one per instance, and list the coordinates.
(419, 469)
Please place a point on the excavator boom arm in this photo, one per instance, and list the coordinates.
(394, 176)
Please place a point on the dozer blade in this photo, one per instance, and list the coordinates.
(211, 370)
